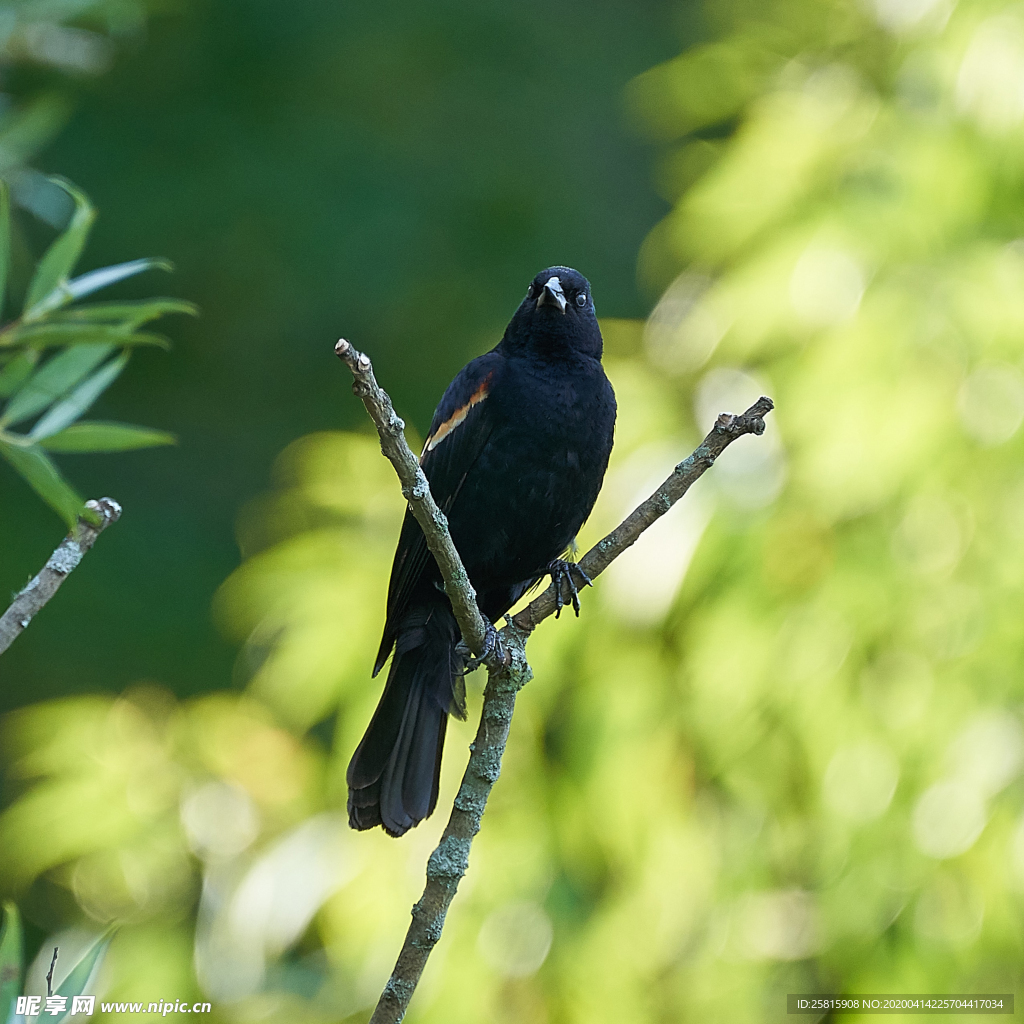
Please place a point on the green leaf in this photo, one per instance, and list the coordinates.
(94, 436)
(16, 372)
(60, 259)
(5, 248)
(69, 409)
(105, 276)
(34, 465)
(83, 974)
(11, 954)
(53, 333)
(132, 313)
(53, 380)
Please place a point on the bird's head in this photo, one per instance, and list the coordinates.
(557, 314)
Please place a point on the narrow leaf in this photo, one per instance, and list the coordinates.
(11, 954)
(94, 436)
(16, 372)
(34, 465)
(5, 249)
(60, 259)
(97, 279)
(69, 409)
(54, 379)
(53, 333)
(83, 974)
(131, 313)
(58, 332)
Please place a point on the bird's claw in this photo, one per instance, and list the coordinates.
(493, 649)
(562, 572)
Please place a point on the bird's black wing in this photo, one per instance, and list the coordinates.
(461, 426)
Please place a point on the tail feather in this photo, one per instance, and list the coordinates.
(408, 788)
(394, 774)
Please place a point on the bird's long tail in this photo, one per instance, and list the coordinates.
(394, 774)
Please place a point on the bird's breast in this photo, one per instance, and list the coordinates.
(557, 430)
(539, 473)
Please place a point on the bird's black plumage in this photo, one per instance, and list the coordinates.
(515, 457)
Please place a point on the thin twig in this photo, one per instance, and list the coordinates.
(49, 974)
(448, 863)
(726, 429)
(67, 556)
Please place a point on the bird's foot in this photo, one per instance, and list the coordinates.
(493, 650)
(562, 573)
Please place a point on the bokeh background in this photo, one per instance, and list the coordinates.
(781, 749)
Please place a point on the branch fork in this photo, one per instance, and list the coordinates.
(508, 669)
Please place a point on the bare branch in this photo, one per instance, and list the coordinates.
(448, 863)
(67, 556)
(432, 521)
(726, 429)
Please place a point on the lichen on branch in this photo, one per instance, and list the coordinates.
(47, 581)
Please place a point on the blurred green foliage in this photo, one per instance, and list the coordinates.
(392, 173)
(781, 749)
(67, 982)
(45, 46)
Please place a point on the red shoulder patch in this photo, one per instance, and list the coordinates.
(458, 416)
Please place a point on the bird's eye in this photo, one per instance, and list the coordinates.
(581, 299)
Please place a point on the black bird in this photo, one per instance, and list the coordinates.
(515, 457)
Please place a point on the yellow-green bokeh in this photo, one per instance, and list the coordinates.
(781, 749)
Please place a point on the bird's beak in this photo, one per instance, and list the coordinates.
(552, 294)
